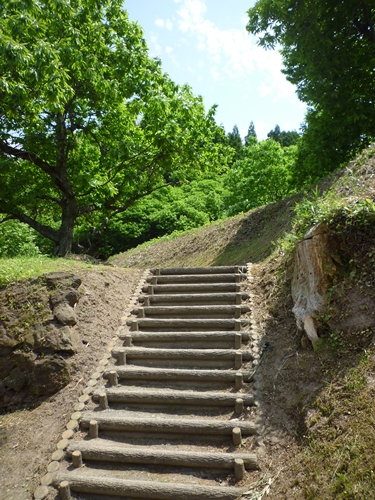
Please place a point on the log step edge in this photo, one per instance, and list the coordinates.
(146, 489)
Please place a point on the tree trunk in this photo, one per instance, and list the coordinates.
(66, 231)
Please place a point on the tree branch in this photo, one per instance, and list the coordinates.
(148, 166)
(116, 170)
(38, 162)
(51, 198)
(123, 208)
(8, 217)
(46, 231)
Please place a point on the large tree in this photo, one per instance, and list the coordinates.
(88, 122)
(251, 135)
(283, 137)
(328, 52)
(235, 142)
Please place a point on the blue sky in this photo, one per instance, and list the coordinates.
(204, 43)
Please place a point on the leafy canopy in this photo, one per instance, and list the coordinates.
(263, 176)
(285, 138)
(328, 52)
(173, 208)
(235, 142)
(88, 122)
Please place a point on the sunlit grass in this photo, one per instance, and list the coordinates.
(24, 268)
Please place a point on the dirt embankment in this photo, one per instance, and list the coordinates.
(29, 433)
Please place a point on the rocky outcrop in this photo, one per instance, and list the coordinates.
(316, 263)
(37, 336)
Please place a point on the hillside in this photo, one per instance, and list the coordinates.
(238, 240)
(317, 406)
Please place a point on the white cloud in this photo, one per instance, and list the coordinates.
(164, 24)
(262, 129)
(191, 14)
(215, 73)
(155, 45)
(168, 50)
(233, 53)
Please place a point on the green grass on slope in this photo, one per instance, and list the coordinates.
(25, 268)
(244, 238)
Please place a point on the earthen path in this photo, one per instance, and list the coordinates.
(167, 413)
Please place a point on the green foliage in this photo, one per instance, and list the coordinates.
(251, 134)
(334, 78)
(17, 239)
(89, 123)
(172, 209)
(235, 142)
(334, 210)
(23, 268)
(261, 177)
(289, 138)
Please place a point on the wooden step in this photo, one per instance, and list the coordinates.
(216, 311)
(108, 421)
(200, 270)
(227, 298)
(97, 484)
(173, 397)
(97, 450)
(208, 337)
(194, 278)
(157, 353)
(189, 288)
(176, 374)
(186, 324)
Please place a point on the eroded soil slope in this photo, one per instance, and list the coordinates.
(28, 435)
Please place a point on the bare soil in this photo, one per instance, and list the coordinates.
(282, 384)
(28, 437)
(288, 383)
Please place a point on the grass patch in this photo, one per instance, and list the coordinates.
(237, 240)
(342, 200)
(340, 442)
(24, 268)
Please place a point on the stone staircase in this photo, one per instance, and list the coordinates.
(171, 416)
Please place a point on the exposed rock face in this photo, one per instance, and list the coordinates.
(59, 280)
(65, 314)
(36, 335)
(49, 375)
(316, 264)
